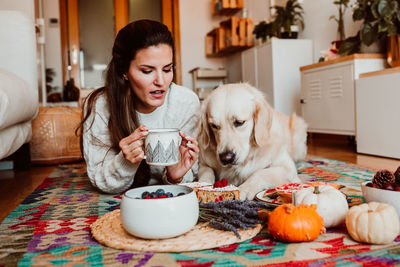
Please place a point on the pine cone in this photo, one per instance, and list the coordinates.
(382, 178)
(397, 176)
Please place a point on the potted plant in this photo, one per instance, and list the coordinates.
(288, 18)
(265, 30)
(342, 5)
(380, 21)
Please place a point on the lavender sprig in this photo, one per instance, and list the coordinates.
(231, 215)
(223, 225)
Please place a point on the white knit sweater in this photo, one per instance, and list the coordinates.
(107, 169)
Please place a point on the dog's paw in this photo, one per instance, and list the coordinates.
(247, 193)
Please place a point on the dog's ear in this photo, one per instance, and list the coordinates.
(262, 117)
(204, 129)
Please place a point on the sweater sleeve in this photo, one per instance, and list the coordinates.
(190, 127)
(107, 169)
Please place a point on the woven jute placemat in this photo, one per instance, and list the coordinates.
(109, 231)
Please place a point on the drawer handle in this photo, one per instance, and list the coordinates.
(303, 101)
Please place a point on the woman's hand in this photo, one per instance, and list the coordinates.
(132, 145)
(188, 150)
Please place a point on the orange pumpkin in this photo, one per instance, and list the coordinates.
(289, 223)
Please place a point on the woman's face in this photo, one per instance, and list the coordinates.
(150, 74)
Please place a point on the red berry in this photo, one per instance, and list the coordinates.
(224, 182)
(218, 184)
(375, 186)
(397, 188)
(389, 187)
(147, 197)
(220, 198)
(163, 196)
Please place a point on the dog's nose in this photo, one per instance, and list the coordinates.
(227, 157)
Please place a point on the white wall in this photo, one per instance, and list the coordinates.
(320, 29)
(195, 21)
(258, 10)
(25, 6)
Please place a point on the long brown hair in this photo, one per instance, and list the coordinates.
(120, 98)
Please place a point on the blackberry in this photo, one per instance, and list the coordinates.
(181, 194)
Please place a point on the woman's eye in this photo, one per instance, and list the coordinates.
(238, 123)
(216, 127)
(167, 70)
(146, 71)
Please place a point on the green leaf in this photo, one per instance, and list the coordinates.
(383, 7)
(392, 29)
(394, 6)
(369, 34)
(302, 25)
(358, 14)
(350, 46)
(382, 27)
(374, 10)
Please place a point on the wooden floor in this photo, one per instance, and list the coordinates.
(340, 148)
(16, 186)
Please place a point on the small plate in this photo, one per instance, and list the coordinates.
(273, 202)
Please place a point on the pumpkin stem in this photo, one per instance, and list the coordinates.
(308, 236)
(316, 190)
(289, 208)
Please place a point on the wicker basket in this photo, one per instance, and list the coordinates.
(53, 135)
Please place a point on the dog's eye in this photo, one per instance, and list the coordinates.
(238, 123)
(216, 127)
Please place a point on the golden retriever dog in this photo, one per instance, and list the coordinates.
(243, 139)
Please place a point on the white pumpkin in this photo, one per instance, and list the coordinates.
(331, 203)
(374, 223)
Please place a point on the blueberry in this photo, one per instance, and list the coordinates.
(169, 194)
(145, 194)
(160, 192)
(153, 195)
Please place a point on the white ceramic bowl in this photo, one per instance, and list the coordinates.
(159, 218)
(381, 195)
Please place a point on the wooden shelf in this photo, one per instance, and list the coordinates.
(226, 7)
(233, 35)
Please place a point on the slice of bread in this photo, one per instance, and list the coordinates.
(209, 193)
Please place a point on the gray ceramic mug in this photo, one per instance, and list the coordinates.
(162, 147)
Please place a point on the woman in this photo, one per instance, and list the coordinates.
(138, 95)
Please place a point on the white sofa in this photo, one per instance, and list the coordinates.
(18, 80)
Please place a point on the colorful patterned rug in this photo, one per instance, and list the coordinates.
(51, 227)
